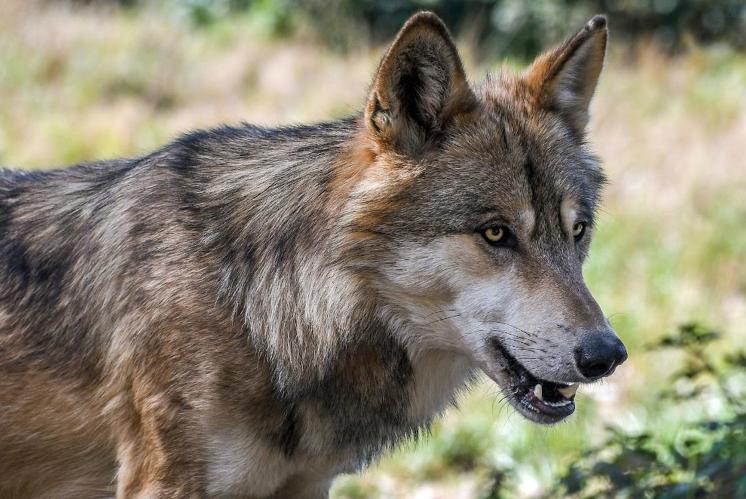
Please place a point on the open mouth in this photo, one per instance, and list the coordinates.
(539, 400)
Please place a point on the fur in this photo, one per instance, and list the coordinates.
(250, 312)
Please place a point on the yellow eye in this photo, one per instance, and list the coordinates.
(494, 234)
(578, 230)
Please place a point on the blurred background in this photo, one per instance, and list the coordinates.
(96, 79)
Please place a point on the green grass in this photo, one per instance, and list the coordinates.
(670, 246)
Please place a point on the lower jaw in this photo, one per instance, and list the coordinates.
(544, 414)
(522, 397)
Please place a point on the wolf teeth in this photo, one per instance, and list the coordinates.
(558, 404)
(568, 391)
(538, 391)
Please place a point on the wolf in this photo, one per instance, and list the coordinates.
(249, 312)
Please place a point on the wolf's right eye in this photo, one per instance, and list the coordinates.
(497, 235)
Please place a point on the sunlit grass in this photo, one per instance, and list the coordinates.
(670, 245)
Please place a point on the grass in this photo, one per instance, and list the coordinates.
(78, 84)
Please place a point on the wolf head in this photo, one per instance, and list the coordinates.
(477, 208)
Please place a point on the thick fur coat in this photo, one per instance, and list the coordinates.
(248, 312)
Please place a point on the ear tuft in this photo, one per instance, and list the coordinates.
(565, 79)
(419, 86)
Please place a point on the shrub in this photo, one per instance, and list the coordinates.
(706, 458)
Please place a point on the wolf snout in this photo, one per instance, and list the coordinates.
(599, 354)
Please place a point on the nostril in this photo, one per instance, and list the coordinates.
(597, 356)
(595, 368)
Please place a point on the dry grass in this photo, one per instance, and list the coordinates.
(86, 84)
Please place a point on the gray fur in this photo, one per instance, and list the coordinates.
(292, 286)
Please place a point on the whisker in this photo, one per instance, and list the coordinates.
(449, 310)
(443, 319)
(514, 327)
(608, 317)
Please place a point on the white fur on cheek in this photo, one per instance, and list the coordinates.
(424, 281)
(455, 298)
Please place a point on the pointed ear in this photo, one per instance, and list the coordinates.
(564, 80)
(419, 86)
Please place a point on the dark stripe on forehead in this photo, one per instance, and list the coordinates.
(531, 178)
(545, 198)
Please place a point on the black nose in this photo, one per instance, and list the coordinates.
(598, 354)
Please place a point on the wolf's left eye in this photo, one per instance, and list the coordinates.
(578, 229)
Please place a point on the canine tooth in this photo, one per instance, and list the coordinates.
(537, 391)
(568, 391)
